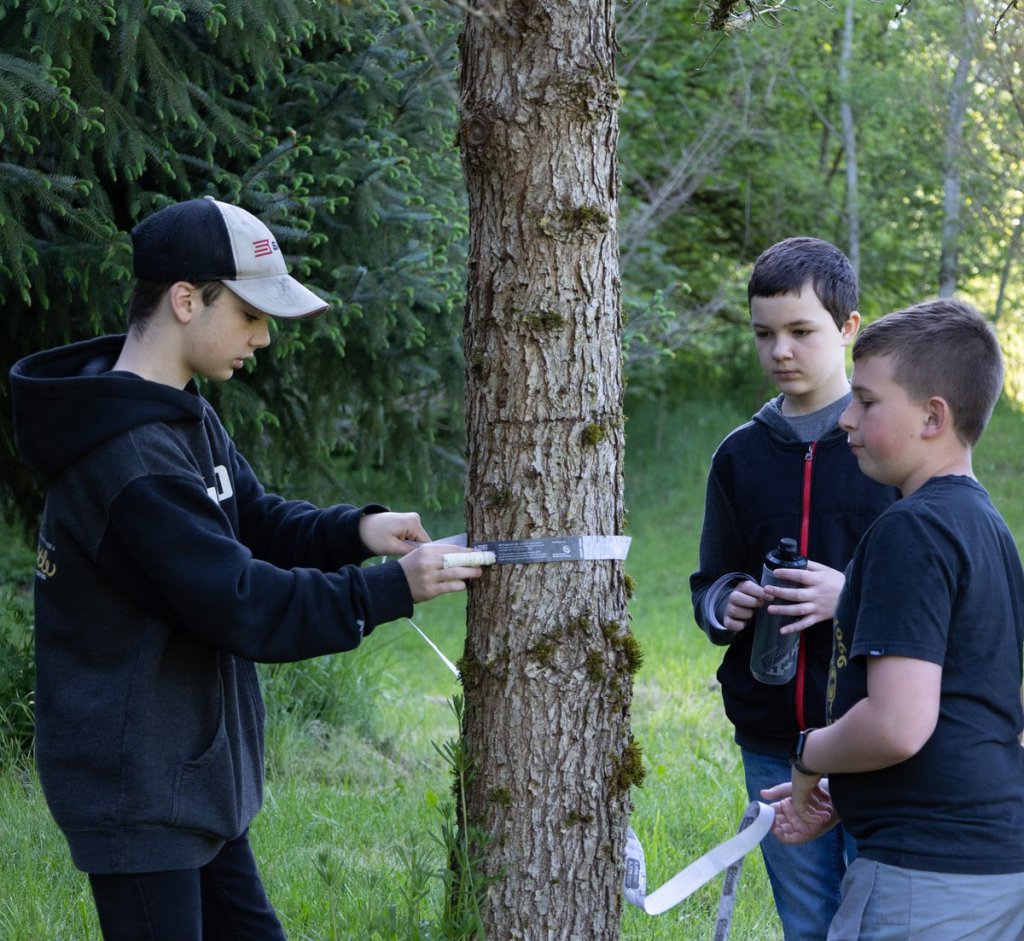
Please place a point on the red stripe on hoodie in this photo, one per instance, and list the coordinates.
(805, 537)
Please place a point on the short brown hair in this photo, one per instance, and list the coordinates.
(147, 294)
(790, 265)
(941, 347)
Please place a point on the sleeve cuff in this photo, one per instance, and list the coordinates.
(389, 593)
(349, 546)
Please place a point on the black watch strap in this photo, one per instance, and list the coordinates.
(796, 758)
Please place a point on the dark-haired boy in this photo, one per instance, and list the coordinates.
(165, 571)
(924, 709)
(788, 473)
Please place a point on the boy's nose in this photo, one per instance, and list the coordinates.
(844, 420)
(261, 337)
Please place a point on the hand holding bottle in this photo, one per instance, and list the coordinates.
(804, 596)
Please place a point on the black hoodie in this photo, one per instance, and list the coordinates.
(766, 484)
(164, 570)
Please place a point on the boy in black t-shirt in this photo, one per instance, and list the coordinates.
(926, 770)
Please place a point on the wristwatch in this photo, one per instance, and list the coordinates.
(796, 757)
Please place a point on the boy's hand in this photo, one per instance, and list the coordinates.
(390, 533)
(812, 597)
(743, 602)
(427, 577)
(803, 809)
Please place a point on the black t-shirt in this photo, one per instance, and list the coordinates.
(938, 578)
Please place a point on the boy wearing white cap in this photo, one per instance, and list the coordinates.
(165, 572)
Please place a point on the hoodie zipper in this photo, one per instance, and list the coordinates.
(805, 538)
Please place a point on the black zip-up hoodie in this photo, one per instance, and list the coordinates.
(164, 571)
(766, 484)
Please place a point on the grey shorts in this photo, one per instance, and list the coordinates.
(888, 903)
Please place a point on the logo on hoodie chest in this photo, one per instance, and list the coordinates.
(222, 489)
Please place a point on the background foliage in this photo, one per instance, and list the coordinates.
(731, 141)
(336, 122)
(323, 118)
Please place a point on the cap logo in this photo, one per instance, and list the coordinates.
(263, 247)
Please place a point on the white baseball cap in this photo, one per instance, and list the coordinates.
(207, 240)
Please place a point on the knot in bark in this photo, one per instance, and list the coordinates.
(477, 131)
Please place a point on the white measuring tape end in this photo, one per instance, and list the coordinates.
(453, 560)
(754, 826)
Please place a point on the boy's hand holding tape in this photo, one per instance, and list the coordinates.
(428, 576)
(423, 562)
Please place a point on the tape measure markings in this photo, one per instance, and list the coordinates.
(541, 549)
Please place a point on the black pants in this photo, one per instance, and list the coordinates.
(221, 901)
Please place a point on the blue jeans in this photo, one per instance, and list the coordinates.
(221, 901)
(805, 879)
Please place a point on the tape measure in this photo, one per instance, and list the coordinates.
(753, 827)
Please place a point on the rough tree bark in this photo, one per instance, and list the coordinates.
(548, 664)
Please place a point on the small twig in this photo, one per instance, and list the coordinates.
(1012, 5)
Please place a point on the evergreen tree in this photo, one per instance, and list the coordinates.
(324, 119)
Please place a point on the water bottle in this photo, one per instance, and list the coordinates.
(773, 655)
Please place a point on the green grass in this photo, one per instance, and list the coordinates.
(347, 839)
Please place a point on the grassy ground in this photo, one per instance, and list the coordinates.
(347, 839)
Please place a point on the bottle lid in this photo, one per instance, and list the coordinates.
(785, 555)
(788, 548)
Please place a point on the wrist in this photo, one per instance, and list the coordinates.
(796, 756)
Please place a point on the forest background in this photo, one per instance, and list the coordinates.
(893, 129)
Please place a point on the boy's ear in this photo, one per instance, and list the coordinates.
(938, 417)
(850, 327)
(185, 299)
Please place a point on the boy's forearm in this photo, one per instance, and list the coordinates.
(890, 725)
(850, 745)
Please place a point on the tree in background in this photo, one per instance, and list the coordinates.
(948, 258)
(731, 143)
(849, 132)
(994, 166)
(322, 118)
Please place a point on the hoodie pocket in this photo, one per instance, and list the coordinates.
(206, 792)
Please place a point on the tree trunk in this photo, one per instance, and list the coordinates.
(949, 263)
(850, 140)
(548, 663)
(1009, 260)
